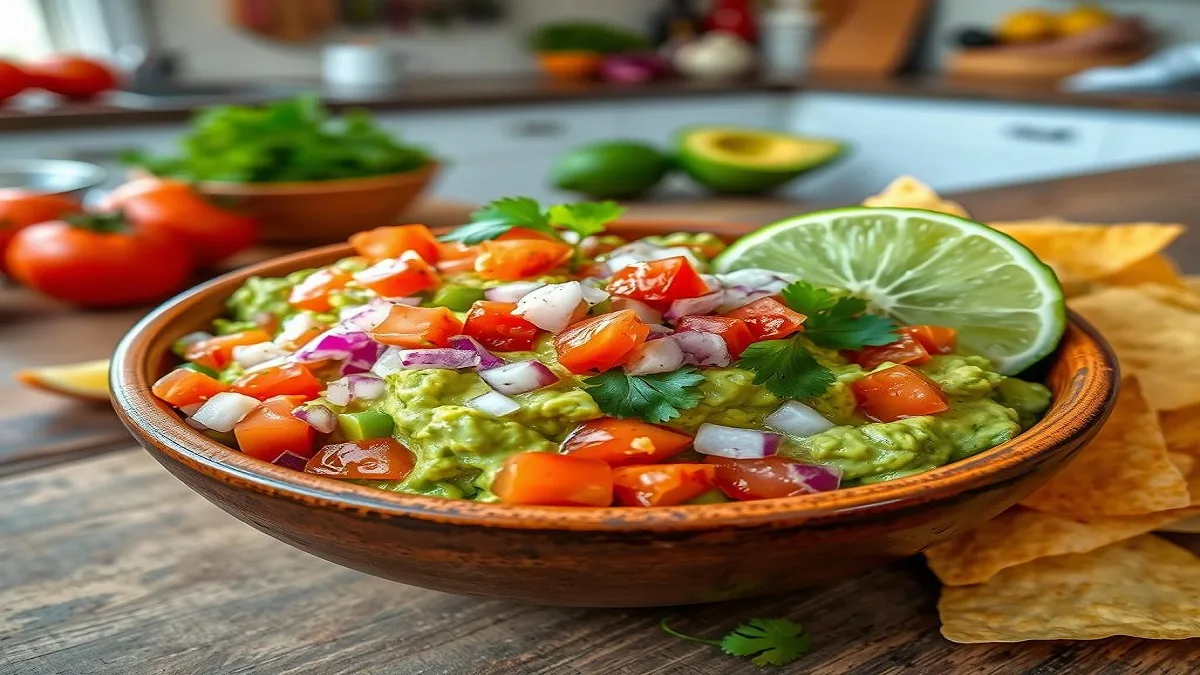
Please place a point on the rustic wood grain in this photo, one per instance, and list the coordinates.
(112, 566)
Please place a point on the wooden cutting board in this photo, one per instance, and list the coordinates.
(871, 37)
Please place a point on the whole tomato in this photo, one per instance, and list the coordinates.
(97, 261)
(22, 208)
(172, 207)
(13, 80)
(75, 77)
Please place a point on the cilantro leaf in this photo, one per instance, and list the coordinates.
(786, 369)
(585, 218)
(500, 216)
(653, 398)
(837, 322)
(768, 642)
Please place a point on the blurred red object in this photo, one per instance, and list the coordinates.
(733, 16)
(75, 77)
(13, 80)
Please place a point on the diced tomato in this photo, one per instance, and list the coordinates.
(292, 379)
(769, 319)
(751, 479)
(455, 257)
(313, 293)
(662, 484)
(896, 393)
(399, 277)
(734, 331)
(417, 327)
(496, 327)
(185, 387)
(270, 430)
(374, 459)
(553, 480)
(601, 342)
(619, 442)
(217, 352)
(517, 259)
(935, 339)
(393, 240)
(520, 233)
(906, 350)
(658, 281)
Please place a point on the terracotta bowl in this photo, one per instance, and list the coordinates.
(322, 212)
(605, 556)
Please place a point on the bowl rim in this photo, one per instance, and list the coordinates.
(163, 433)
(86, 175)
(235, 188)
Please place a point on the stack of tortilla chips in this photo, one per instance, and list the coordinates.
(1075, 559)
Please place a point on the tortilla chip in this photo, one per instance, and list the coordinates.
(1154, 337)
(1157, 269)
(1192, 283)
(1144, 587)
(1080, 252)
(1124, 471)
(910, 193)
(1184, 462)
(1181, 429)
(1020, 535)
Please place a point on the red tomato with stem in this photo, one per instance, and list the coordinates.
(896, 393)
(658, 281)
(22, 208)
(75, 77)
(601, 342)
(619, 442)
(496, 327)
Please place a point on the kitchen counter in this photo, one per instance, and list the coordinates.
(114, 566)
(447, 93)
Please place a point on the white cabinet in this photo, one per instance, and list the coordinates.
(656, 120)
(1146, 138)
(952, 145)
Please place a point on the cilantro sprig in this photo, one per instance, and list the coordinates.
(653, 398)
(765, 642)
(583, 219)
(786, 369)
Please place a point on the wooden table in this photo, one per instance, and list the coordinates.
(109, 565)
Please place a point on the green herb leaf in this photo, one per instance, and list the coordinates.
(585, 218)
(838, 322)
(653, 398)
(786, 368)
(500, 216)
(768, 642)
(474, 233)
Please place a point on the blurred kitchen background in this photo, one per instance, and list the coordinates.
(961, 93)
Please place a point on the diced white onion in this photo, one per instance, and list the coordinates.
(365, 387)
(645, 313)
(656, 356)
(365, 318)
(592, 295)
(797, 419)
(705, 304)
(735, 443)
(223, 411)
(295, 327)
(270, 363)
(519, 377)
(512, 292)
(248, 356)
(190, 409)
(553, 307)
(702, 349)
(338, 392)
(316, 416)
(640, 251)
(495, 403)
(395, 360)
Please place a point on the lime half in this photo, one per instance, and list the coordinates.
(921, 267)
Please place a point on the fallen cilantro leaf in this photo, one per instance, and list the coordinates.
(786, 369)
(766, 642)
(585, 218)
(653, 398)
(837, 322)
(500, 216)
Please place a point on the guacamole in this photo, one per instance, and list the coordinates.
(543, 373)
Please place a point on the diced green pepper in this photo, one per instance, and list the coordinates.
(203, 370)
(710, 497)
(222, 437)
(361, 426)
(456, 298)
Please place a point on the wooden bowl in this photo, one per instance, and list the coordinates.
(322, 212)
(600, 557)
(569, 65)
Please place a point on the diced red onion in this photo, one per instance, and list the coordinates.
(290, 460)
(705, 304)
(223, 411)
(702, 349)
(486, 358)
(659, 356)
(248, 356)
(796, 419)
(295, 327)
(365, 317)
(317, 416)
(512, 292)
(553, 307)
(733, 298)
(745, 286)
(338, 392)
(519, 377)
(817, 478)
(713, 283)
(495, 403)
(735, 443)
(365, 387)
(658, 332)
(645, 313)
(445, 359)
(336, 344)
(411, 300)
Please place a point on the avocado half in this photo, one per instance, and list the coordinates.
(742, 160)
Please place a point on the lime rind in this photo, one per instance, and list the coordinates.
(921, 267)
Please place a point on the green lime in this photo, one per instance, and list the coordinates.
(921, 267)
(739, 160)
(610, 169)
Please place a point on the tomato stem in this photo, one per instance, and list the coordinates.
(104, 223)
(683, 636)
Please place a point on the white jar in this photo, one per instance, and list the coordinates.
(785, 38)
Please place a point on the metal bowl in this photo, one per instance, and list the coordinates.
(54, 176)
